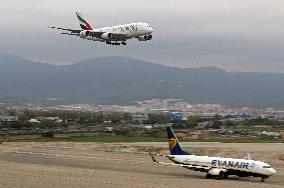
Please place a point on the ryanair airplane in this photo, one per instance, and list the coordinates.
(215, 167)
(114, 35)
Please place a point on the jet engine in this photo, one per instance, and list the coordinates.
(106, 36)
(145, 37)
(84, 33)
(221, 173)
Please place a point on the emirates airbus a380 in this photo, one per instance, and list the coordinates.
(114, 35)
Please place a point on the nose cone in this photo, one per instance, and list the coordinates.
(272, 171)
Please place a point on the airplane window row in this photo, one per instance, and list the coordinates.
(266, 167)
(131, 27)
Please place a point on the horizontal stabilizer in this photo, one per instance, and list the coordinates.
(192, 167)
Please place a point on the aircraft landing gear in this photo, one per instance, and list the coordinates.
(112, 43)
(208, 176)
(263, 178)
(116, 43)
(223, 175)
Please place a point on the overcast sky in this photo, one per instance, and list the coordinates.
(234, 35)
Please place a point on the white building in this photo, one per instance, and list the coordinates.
(8, 118)
(140, 117)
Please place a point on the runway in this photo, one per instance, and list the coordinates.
(66, 164)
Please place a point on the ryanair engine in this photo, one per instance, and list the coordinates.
(145, 37)
(106, 36)
(222, 173)
(84, 33)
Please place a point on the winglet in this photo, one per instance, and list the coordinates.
(83, 22)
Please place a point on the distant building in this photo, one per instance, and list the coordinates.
(53, 119)
(270, 134)
(241, 115)
(148, 127)
(8, 118)
(133, 109)
(48, 118)
(207, 115)
(33, 121)
(139, 117)
(108, 129)
(176, 117)
(161, 111)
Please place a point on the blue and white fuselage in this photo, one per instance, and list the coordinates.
(214, 166)
(240, 166)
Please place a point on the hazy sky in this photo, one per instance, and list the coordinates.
(234, 35)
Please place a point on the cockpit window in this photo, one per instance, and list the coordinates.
(266, 166)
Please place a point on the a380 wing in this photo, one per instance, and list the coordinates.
(97, 34)
(71, 31)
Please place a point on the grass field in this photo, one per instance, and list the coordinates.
(100, 138)
(124, 138)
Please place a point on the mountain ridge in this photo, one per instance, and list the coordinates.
(121, 80)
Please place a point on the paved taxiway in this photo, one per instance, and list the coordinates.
(121, 165)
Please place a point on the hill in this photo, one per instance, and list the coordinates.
(121, 80)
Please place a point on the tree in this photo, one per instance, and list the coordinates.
(47, 134)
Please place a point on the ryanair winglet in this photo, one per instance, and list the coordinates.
(174, 145)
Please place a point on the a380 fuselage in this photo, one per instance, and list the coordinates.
(132, 30)
(114, 35)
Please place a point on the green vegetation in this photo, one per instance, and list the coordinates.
(122, 138)
(99, 138)
(116, 138)
(235, 140)
(47, 135)
(56, 125)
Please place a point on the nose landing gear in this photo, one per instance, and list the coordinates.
(263, 178)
